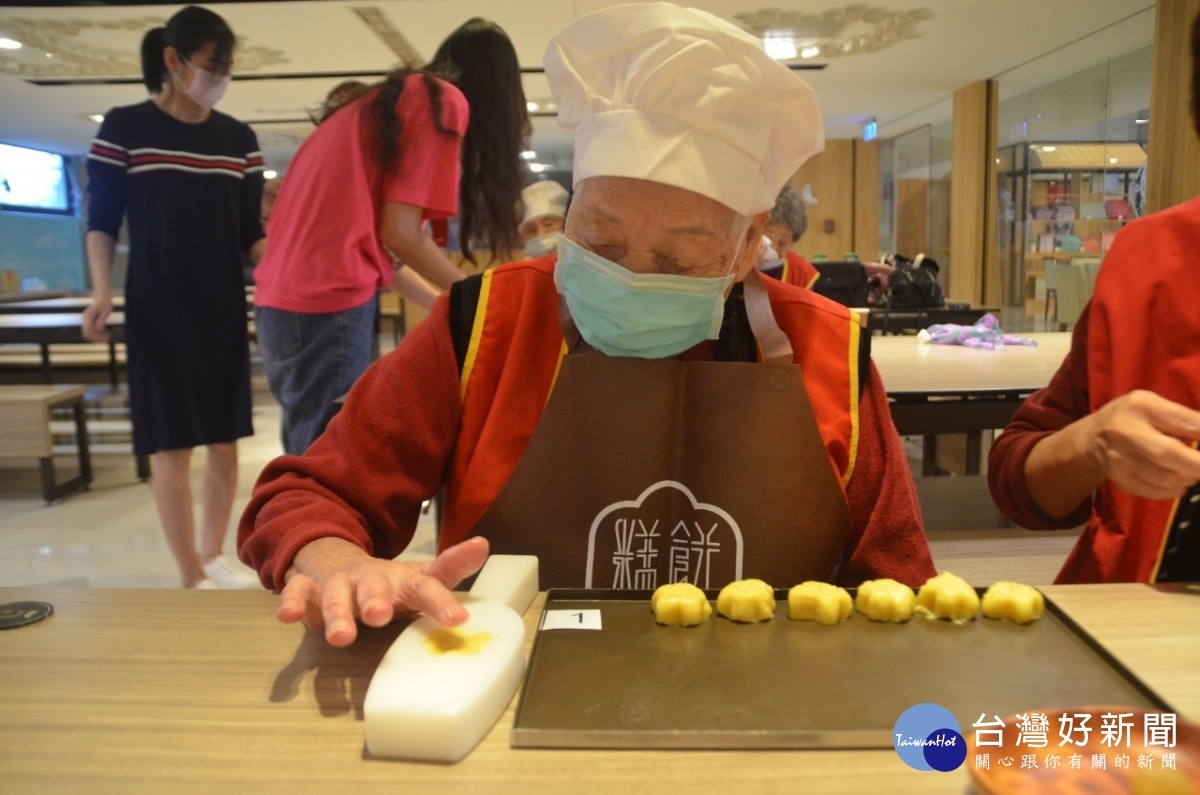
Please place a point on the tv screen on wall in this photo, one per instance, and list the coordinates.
(33, 181)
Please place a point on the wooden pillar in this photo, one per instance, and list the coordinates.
(973, 259)
(831, 220)
(866, 199)
(1173, 173)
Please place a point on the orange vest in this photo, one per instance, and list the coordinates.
(798, 271)
(513, 357)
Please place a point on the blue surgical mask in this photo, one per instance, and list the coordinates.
(543, 244)
(645, 315)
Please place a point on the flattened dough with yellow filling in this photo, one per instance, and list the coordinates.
(680, 604)
(1013, 601)
(748, 601)
(819, 601)
(948, 596)
(885, 600)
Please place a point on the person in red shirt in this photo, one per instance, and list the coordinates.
(787, 224)
(607, 408)
(420, 146)
(1111, 440)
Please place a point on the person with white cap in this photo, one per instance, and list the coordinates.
(545, 215)
(642, 408)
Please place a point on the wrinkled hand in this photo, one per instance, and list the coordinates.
(93, 320)
(378, 591)
(1136, 441)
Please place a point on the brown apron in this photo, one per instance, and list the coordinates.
(646, 472)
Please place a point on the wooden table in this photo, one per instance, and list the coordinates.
(25, 432)
(203, 691)
(46, 329)
(954, 389)
(72, 303)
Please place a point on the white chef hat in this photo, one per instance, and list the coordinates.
(678, 96)
(545, 197)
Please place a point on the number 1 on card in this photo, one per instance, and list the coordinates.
(571, 619)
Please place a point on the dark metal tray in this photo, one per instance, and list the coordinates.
(795, 684)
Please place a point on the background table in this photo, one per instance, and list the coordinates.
(203, 691)
(954, 389)
(46, 329)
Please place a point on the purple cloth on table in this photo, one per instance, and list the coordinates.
(986, 333)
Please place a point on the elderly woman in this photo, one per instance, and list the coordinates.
(643, 408)
(545, 215)
(786, 225)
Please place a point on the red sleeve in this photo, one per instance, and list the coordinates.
(887, 536)
(364, 479)
(1063, 401)
(428, 171)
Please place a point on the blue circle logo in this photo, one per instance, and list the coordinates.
(927, 737)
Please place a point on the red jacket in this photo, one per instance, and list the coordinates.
(1138, 332)
(405, 432)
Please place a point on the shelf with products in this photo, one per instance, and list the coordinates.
(1058, 201)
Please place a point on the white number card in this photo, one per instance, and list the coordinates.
(571, 619)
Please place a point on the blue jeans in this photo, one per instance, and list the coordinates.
(310, 360)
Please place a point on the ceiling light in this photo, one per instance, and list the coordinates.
(532, 106)
(537, 168)
(1112, 160)
(1141, 121)
(810, 52)
(1049, 148)
(779, 48)
(9, 44)
(96, 117)
(529, 154)
(270, 174)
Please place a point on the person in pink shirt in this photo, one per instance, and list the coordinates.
(424, 144)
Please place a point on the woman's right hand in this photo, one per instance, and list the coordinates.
(94, 319)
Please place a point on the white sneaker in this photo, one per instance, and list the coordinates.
(227, 574)
(206, 585)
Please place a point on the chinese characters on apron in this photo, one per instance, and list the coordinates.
(645, 472)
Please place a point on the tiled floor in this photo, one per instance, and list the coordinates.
(109, 535)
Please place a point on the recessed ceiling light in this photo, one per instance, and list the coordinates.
(779, 48)
(1049, 148)
(1112, 160)
(270, 174)
(810, 52)
(529, 154)
(96, 117)
(9, 44)
(532, 106)
(537, 168)
(1141, 121)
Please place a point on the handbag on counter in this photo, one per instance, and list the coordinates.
(844, 281)
(913, 284)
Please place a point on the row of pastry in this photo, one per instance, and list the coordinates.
(945, 596)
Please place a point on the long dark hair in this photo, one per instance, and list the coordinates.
(479, 59)
(189, 30)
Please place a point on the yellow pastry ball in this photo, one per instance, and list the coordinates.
(1014, 601)
(885, 600)
(680, 604)
(948, 596)
(746, 600)
(819, 601)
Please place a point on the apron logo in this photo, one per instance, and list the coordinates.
(664, 536)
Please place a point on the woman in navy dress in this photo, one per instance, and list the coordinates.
(188, 181)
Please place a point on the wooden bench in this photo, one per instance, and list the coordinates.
(25, 431)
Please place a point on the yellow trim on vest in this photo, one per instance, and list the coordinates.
(855, 331)
(783, 273)
(815, 278)
(562, 351)
(1162, 548)
(476, 332)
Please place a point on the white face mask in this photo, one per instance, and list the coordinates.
(206, 89)
(543, 244)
